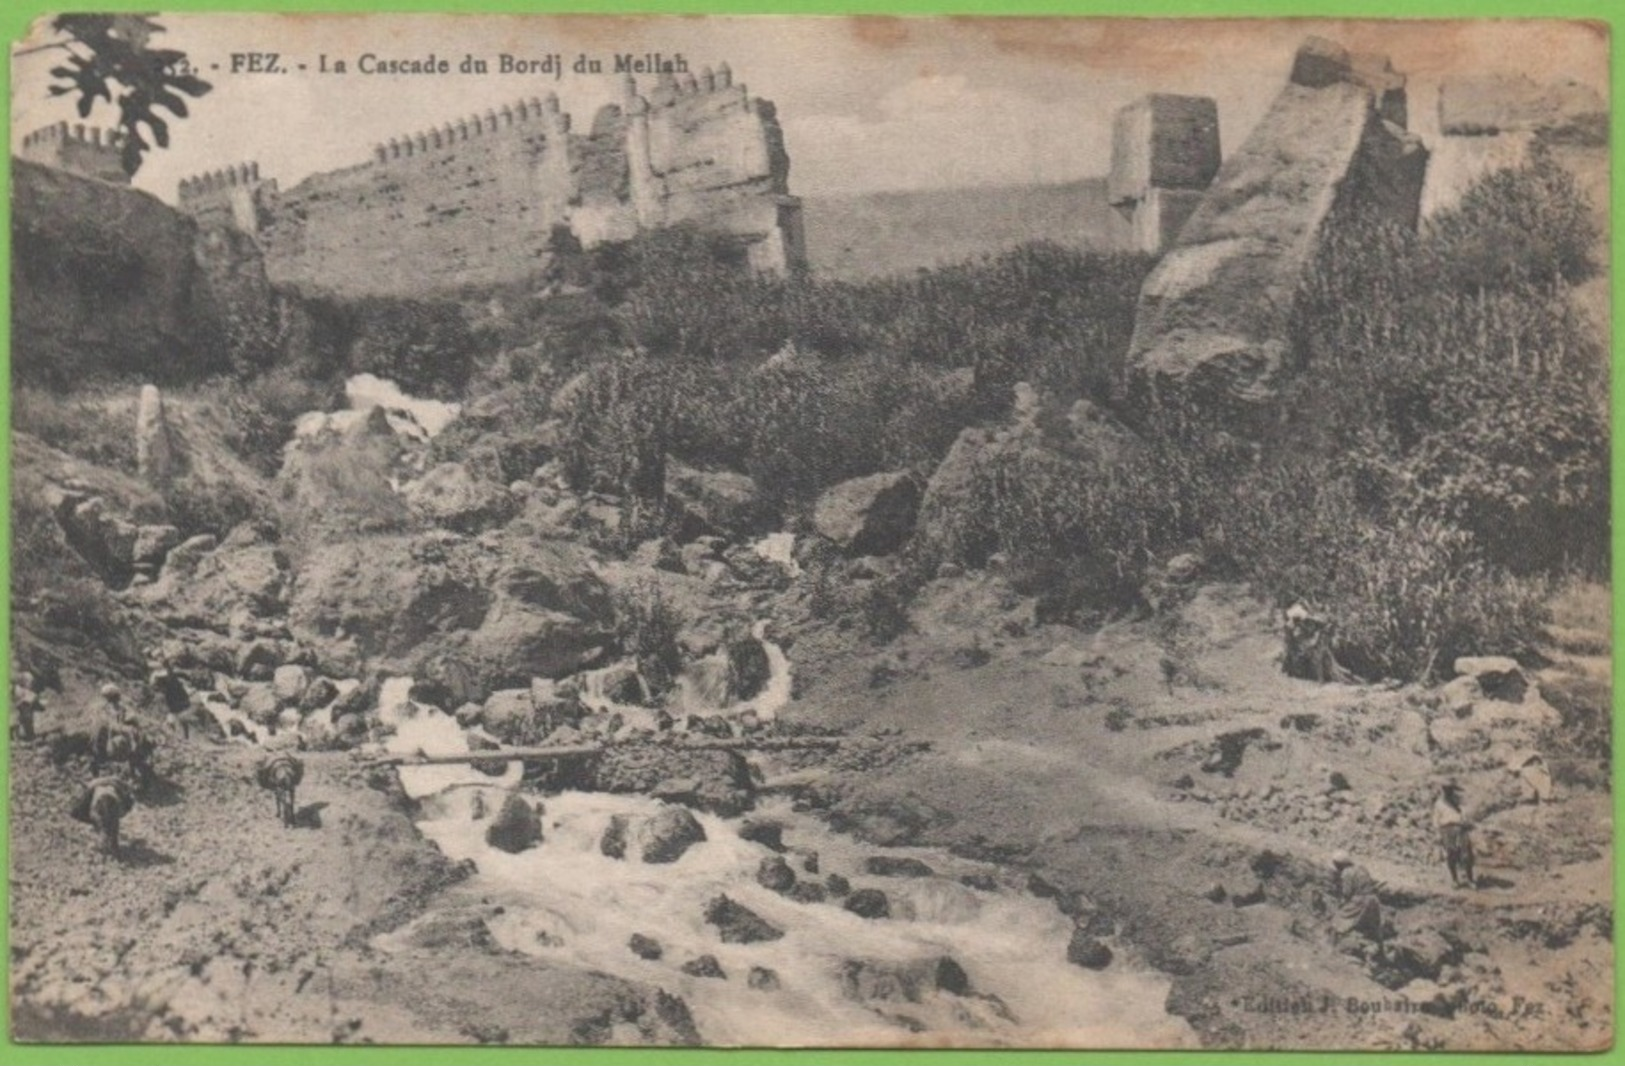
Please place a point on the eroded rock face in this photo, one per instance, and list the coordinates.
(1213, 319)
(487, 615)
(451, 496)
(714, 501)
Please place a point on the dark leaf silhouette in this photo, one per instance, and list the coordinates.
(108, 51)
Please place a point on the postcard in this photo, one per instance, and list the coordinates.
(810, 531)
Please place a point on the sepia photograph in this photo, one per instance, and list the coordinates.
(810, 532)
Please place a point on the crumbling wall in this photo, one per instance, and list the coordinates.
(477, 202)
(1212, 326)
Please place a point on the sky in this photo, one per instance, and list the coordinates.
(867, 104)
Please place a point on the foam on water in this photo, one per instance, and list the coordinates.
(567, 902)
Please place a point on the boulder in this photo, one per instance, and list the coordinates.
(260, 704)
(908, 981)
(739, 924)
(896, 866)
(452, 497)
(768, 834)
(1498, 677)
(808, 892)
(511, 717)
(439, 930)
(704, 966)
(714, 781)
(659, 838)
(319, 693)
(871, 515)
(516, 826)
(183, 559)
(289, 683)
(645, 947)
(1088, 951)
(868, 903)
(713, 501)
(775, 875)
(1213, 322)
(670, 832)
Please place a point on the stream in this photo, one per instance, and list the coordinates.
(837, 978)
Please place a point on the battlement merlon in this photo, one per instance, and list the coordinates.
(544, 110)
(202, 186)
(78, 132)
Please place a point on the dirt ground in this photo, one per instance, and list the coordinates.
(1081, 758)
(220, 925)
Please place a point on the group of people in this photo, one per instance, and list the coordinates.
(1359, 923)
(122, 752)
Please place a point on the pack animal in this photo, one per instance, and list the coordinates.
(103, 805)
(282, 775)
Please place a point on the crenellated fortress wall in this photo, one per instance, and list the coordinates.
(477, 200)
(82, 149)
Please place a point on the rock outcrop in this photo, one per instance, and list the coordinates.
(1213, 318)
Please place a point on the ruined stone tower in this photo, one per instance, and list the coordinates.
(1165, 152)
(85, 150)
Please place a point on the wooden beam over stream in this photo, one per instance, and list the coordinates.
(576, 751)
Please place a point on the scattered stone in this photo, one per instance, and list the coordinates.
(1249, 894)
(665, 836)
(1216, 893)
(645, 947)
(289, 683)
(758, 831)
(775, 875)
(704, 966)
(1088, 951)
(739, 924)
(894, 866)
(809, 859)
(319, 693)
(980, 881)
(837, 885)
(869, 903)
(1498, 677)
(763, 979)
(808, 892)
(613, 842)
(516, 826)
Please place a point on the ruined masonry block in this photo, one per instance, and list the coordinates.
(1212, 326)
(1157, 220)
(1163, 141)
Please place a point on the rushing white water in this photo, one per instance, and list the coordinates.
(367, 390)
(566, 901)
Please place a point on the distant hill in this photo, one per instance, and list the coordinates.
(875, 234)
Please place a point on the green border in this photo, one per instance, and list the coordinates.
(14, 21)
